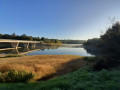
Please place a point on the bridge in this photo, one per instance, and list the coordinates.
(19, 51)
(15, 43)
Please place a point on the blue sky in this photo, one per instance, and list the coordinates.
(61, 19)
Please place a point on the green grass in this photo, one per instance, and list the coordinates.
(81, 79)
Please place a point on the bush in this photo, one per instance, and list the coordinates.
(105, 63)
(15, 76)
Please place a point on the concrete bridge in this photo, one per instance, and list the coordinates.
(15, 43)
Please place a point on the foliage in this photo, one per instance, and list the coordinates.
(15, 76)
(109, 47)
(111, 42)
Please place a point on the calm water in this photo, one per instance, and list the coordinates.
(67, 49)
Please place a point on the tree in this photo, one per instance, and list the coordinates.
(1, 36)
(13, 36)
(110, 47)
(111, 41)
(6, 36)
(42, 38)
(23, 37)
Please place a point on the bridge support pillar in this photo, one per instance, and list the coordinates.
(15, 45)
(32, 44)
(26, 45)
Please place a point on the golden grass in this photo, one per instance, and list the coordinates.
(43, 65)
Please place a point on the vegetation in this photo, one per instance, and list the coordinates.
(15, 76)
(92, 42)
(57, 65)
(109, 47)
(82, 79)
(44, 66)
(72, 41)
(90, 59)
(25, 37)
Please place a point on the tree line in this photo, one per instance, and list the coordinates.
(25, 37)
(72, 41)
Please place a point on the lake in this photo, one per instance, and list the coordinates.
(66, 49)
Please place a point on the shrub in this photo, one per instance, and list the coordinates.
(15, 76)
(105, 63)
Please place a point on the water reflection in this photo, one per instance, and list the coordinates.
(73, 45)
(93, 50)
(67, 49)
(21, 51)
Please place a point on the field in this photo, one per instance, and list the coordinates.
(43, 67)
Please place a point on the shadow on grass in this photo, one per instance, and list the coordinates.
(68, 67)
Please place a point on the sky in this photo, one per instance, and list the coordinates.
(60, 19)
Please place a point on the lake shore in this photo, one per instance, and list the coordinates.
(43, 66)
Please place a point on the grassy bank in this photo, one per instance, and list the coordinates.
(81, 79)
(43, 67)
(56, 72)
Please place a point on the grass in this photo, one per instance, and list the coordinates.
(57, 72)
(82, 79)
(43, 66)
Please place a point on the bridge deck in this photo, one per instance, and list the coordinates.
(19, 41)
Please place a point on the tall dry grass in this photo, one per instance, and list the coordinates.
(43, 65)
